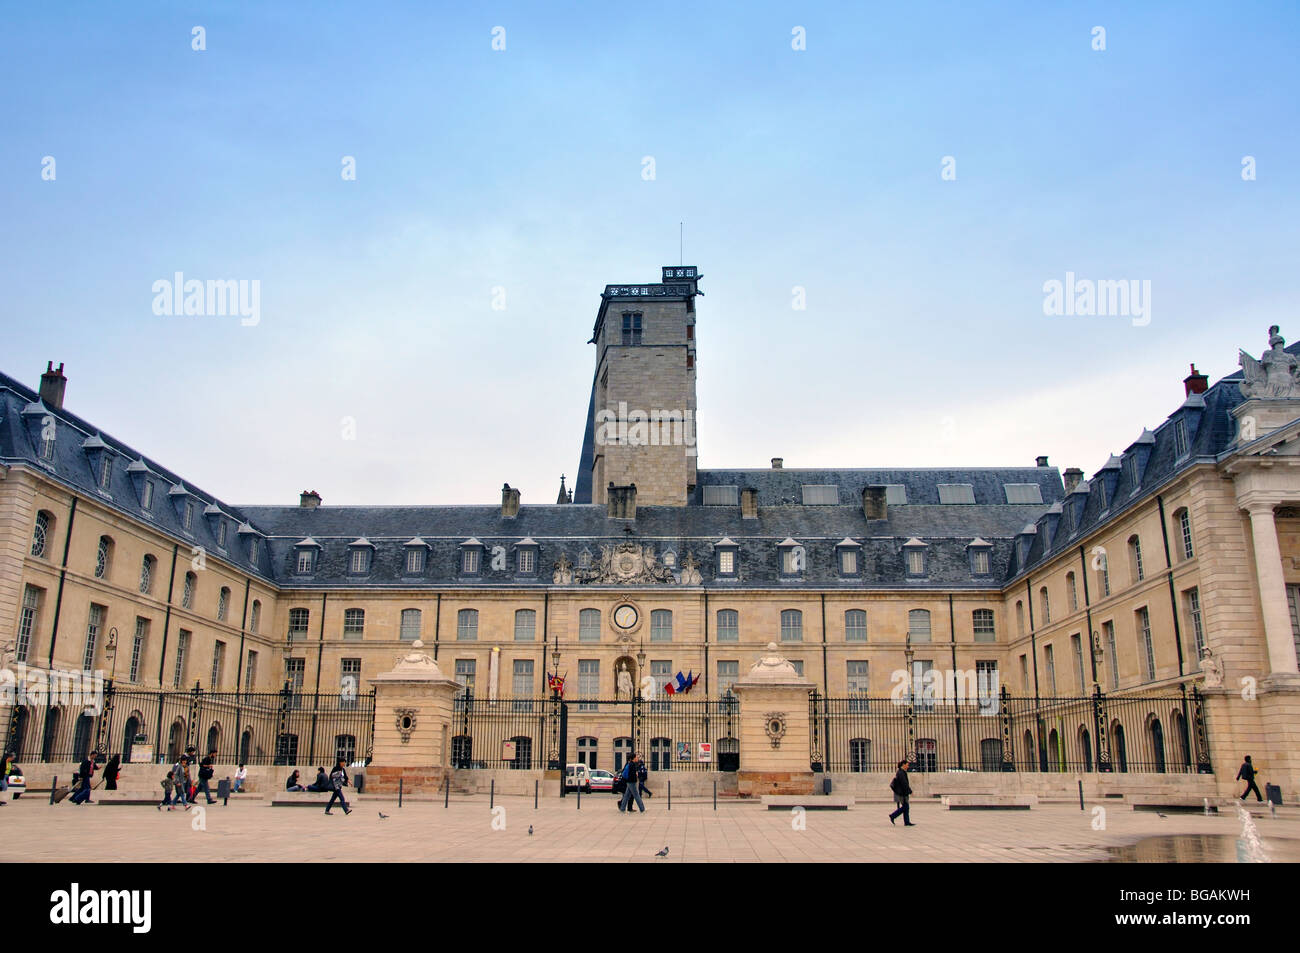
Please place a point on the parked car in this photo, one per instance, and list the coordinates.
(577, 778)
(602, 780)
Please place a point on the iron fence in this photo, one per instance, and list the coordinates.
(998, 732)
(255, 728)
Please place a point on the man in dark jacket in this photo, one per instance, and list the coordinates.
(1247, 774)
(322, 782)
(902, 792)
(630, 773)
(338, 780)
(641, 775)
(206, 770)
(84, 773)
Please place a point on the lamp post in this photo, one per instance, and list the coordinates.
(110, 650)
(553, 763)
(637, 700)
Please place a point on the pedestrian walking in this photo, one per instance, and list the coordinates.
(207, 768)
(902, 794)
(84, 774)
(339, 780)
(630, 774)
(4, 777)
(1247, 774)
(641, 775)
(167, 783)
(241, 776)
(181, 778)
(111, 771)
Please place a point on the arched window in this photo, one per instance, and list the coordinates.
(859, 754)
(1085, 745)
(982, 622)
(345, 748)
(41, 533)
(728, 625)
(661, 625)
(791, 625)
(467, 625)
(622, 751)
(991, 754)
(223, 603)
(1046, 603)
(1185, 532)
(103, 555)
(1072, 588)
(1118, 747)
(855, 625)
(412, 620)
(525, 625)
(176, 741)
(245, 745)
(918, 625)
(256, 619)
(661, 754)
(927, 754)
(1135, 557)
(214, 739)
(587, 752)
(1156, 732)
(1020, 617)
(187, 593)
(1031, 753)
(147, 566)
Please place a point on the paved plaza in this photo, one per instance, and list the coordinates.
(251, 831)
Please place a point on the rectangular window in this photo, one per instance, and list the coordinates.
(923, 686)
(1024, 673)
(1076, 644)
(1108, 629)
(354, 623)
(916, 562)
(858, 682)
(798, 666)
(632, 329)
(298, 624)
(728, 625)
(27, 622)
(662, 672)
(1023, 493)
(360, 559)
(855, 625)
(250, 673)
(1185, 525)
(589, 625)
(349, 682)
(727, 562)
(1180, 439)
(106, 472)
(588, 682)
(1192, 599)
(1071, 587)
(728, 673)
(1148, 649)
(821, 495)
(721, 495)
(295, 670)
(182, 646)
(146, 496)
(525, 625)
(956, 493)
(304, 560)
(137, 647)
(465, 675)
(918, 625)
(469, 561)
(983, 624)
(218, 663)
(92, 635)
(188, 522)
(221, 534)
(467, 625)
(848, 561)
(521, 684)
(414, 561)
(986, 681)
(527, 559)
(895, 494)
(661, 625)
(1049, 657)
(789, 561)
(979, 562)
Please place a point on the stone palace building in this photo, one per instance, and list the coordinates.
(1143, 620)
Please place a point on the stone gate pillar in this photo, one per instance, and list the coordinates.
(413, 725)
(775, 750)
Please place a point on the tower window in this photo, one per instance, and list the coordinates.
(632, 328)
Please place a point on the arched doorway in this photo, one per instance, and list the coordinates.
(1182, 748)
(19, 736)
(1085, 745)
(1118, 747)
(83, 736)
(860, 754)
(214, 739)
(728, 754)
(1031, 755)
(991, 754)
(245, 745)
(52, 717)
(524, 753)
(128, 735)
(176, 741)
(1157, 733)
(1054, 755)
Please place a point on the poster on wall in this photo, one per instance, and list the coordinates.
(141, 754)
(507, 751)
(684, 751)
(705, 751)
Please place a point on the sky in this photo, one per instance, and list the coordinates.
(916, 174)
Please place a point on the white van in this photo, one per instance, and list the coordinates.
(577, 778)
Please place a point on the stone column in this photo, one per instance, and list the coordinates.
(775, 750)
(413, 726)
(1272, 591)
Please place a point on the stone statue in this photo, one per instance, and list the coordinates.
(563, 575)
(690, 572)
(1211, 668)
(1275, 374)
(624, 681)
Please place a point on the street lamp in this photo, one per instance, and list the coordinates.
(110, 650)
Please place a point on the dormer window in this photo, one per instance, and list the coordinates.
(791, 557)
(188, 522)
(914, 557)
(821, 494)
(146, 496)
(1131, 472)
(981, 557)
(526, 557)
(360, 552)
(847, 552)
(305, 560)
(724, 554)
(415, 553)
(956, 493)
(105, 472)
(252, 551)
(221, 534)
(471, 554)
(1180, 438)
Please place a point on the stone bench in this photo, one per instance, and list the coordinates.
(310, 798)
(809, 802)
(989, 802)
(1180, 803)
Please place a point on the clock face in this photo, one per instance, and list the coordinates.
(625, 617)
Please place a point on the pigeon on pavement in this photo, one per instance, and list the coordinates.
(383, 816)
(663, 853)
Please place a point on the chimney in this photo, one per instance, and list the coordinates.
(873, 503)
(748, 503)
(1042, 461)
(777, 463)
(1193, 383)
(309, 499)
(509, 502)
(53, 384)
(1073, 477)
(620, 502)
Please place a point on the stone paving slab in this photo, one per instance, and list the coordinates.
(250, 832)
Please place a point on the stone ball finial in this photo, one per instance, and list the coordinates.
(771, 646)
(418, 644)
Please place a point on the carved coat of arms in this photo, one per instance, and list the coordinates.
(626, 563)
